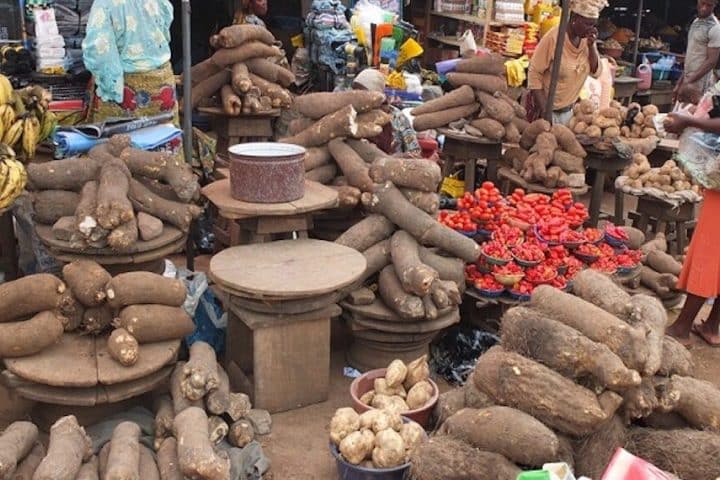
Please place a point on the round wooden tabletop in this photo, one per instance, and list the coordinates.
(317, 197)
(169, 236)
(287, 268)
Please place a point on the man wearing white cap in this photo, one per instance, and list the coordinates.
(580, 58)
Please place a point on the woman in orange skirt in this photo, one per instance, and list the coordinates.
(700, 276)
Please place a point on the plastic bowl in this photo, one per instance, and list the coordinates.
(614, 241)
(366, 382)
(544, 281)
(627, 270)
(588, 259)
(348, 471)
(495, 261)
(490, 293)
(510, 279)
(526, 263)
(519, 296)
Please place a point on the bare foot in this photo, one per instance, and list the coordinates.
(712, 338)
(680, 335)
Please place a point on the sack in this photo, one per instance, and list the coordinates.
(699, 155)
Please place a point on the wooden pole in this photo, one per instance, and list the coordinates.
(562, 34)
(641, 8)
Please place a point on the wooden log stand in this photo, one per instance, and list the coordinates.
(466, 149)
(280, 298)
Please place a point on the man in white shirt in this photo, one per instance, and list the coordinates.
(703, 49)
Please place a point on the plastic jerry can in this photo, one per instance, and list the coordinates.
(644, 73)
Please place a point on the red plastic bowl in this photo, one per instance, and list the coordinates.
(366, 382)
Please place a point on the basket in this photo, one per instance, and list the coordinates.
(544, 281)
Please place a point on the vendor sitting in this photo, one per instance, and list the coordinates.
(250, 12)
(398, 136)
(127, 49)
(579, 59)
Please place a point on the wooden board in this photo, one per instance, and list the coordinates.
(379, 311)
(287, 268)
(220, 112)
(152, 357)
(415, 327)
(123, 391)
(464, 137)
(317, 197)
(255, 320)
(169, 236)
(136, 259)
(505, 173)
(289, 307)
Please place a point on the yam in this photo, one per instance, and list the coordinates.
(278, 94)
(648, 314)
(598, 289)
(20, 339)
(87, 280)
(270, 71)
(124, 456)
(164, 416)
(150, 323)
(611, 133)
(521, 124)
(200, 373)
(457, 98)
(175, 213)
(429, 121)
(147, 468)
(657, 243)
(419, 395)
(520, 111)
(226, 57)
(123, 236)
(26, 468)
(488, 65)
(68, 447)
(353, 167)
(480, 82)
(239, 406)
(513, 434)
(218, 429)
(241, 433)
(180, 403)
(447, 458)
(208, 87)
(389, 201)
(323, 174)
(641, 145)
(123, 347)
(348, 197)
(417, 371)
(86, 212)
(515, 157)
(593, 131)
(236, 35)
(598, 325)
(67, 174)
(51, 205)
(663, 263)
(240, 78)
(343, 423)
(593, 452)
(535, 168)
(231, 103)
(338, 124)
(531, 133)
(418, 174)
(448, 268)
(676, 359)
(580, 127)
(16, 442)
(515, 381)
(393, 294)
(568, 162)
(167, 460)
(195, 452)
(497, 108)
(316, 157)
(415, 276)
(512, 134)
(376, 257)
(366, 233)
(564, 349)
(15, 303)
(149, 227)
(490, 128)
(144, 287)
(567, 141)
(663, 284)
(699, 402)
(318, 105)
(636, 237)
(217, 401)
(428, 202)
(689, 454)
(97, 319)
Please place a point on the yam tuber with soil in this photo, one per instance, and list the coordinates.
(218, 429)
(209, 86)
(113, 206)
(568, 162)
(86, 280)
(368, 151)
(428, 202)
(348, 197)
(389, 201)
(316, 157)
(564, 349)
(338, 124)
(124, 456)
(484, 83)
(123, 347)
(662, 262)
(231, 102)
(227, 57)
(144, 287)
(239, 406)
(20, 339)
(217, 401)
(236, 35)
(595, 323)
(241, 433)
(418, 174)
(270, 71)
(676, 359)
(324, 174)
(15, 303)
(699, 402)
(353, 167)
(175, 213)
(167, 460)
(240, 78)
(16, 443)
(598, 289)
(200, 373)
(663, 284)
(150, 323)
(457, 98)
(489, 128)
(180, 403)
(195, 452)
(415, 276)
(321, 104)
(429, 121)
(648, 314)
(68, 174)
(86, 213)
(515, 381)
(488, 65)
(394, 295)
(527, 141)
(366, 233)
(147, 466)
(124, 236)
(567, 141)
(51, 205)
(376, 257)
(496, 108)
(164, 416)
(97, 319)
(68, 447)
(279, 96)
(513, 434)
(593, 452)
(26, 468)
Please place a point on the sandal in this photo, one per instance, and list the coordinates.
(713, 341)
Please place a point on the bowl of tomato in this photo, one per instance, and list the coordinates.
(605, 265)
(588, 253)
(593, 235)
(508, 236)
(615, 236)
(541, 275)
(508, 275)
(496, 253)
(528, 255)
(521, 291)
(488, 287)
(572, 239)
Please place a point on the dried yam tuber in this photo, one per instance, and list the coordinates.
(598, 289)
(449, 268)
(124, 457)
(515, 157)
(16, 442)
(200, 373)
(457, 98)
(15, 303)
(353, 167)
(366, 233)
(530, 134)
(68, 447)
(232, 105)
(270, 71)
(657, 243)
(429, 121)
(195, 452)
(394, 295)
(318, 105)
(51, 205)
(175, 213)
(167, 460)
(87, 281)
(663, 284)
(144, 287)
(150, 323)
(67, 174)
(86, 213)
(279, 95)
(484, 83)
(29, 464)
(376, 257)
(236, 35)
(123, 347)
(338, 124)
(415, 276)
(218, 429)
(418, 174)
(490, 128)
(488, 65)
(348, 197)
(512, 133)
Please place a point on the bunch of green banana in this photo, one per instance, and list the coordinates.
(13, 176)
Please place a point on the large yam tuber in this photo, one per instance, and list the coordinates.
(209, 87)
(279, 95)
(124, 456)
(449, 268)
(391, 291)
(316, 157)
(564, 349)
(593, 452)
(20, 339)
(389, 201)
(457, 98)
(513, 434)
(144, 287)
(649, 315)
(231, 103)
(68, 447)
(415, 276)
(368, 151)
(318, 105)
(377, 257)
(530, 134)
(663, 284)
(71, 312)
(348, 197)
(418, 174)
(195, 452)
(68, 174)
(676, 359)
(568, 162)
(155, 323)
(498, 109)
(124, 236)
(240, 406)
(16, 301)
(51, 205)
(217, 401)
(29, 464)
(485, 83)
(175, 213)
(87, 281)
(429, 121)
(164, 416)
(270, 71)
(202, 71)
(490, 128)
(640, 401)
(663, 263)
(567, 141)
(447, 458)
(16, 442)
(226, 57)
(240, 78)
(167, 460)
(487, 65)
(86, 213)
(147, 467)
(636, 236)
(699, 402)
(123, 347)
(200, 373)
(113, 206)
(338, 124)
(236, 35)
(353, 167)
(324, 174)
(428, 202)
(657, 243)
(520, 111)
(598, 289)
(366, 233)
(180, 403)
(595, 323)
(97, 319)
(515, 381)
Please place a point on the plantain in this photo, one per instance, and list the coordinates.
(13, 134)
(30, 136)
(9, 191)
(18, 105)
(4, 173)
(6, 90)
(49, 121)
(7, 116)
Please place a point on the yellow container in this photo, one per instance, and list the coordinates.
(409, 50)
(549, 23)
(541, 12)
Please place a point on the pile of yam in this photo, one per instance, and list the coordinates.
(576, 378)
(669, 178)
(245, 75)
(549, 155)
(404, 388)
(116, 197)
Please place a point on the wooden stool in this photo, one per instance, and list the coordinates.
(602, 163)
(244, 128)
(677, 224)
(281, 297)
(460, 147)
(508, 178)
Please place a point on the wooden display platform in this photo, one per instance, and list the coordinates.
(379, 311)
(287, 269)
(284, 307)
(506, 174)
(409, 327)
(461, 147)
(218, 111)
(169, 236)
(79, 361)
